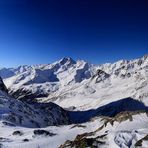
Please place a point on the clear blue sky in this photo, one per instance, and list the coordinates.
(42, 31)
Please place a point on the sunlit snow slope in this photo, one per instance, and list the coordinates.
(107, 105)
(78, 84)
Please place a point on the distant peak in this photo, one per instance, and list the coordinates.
(68, 60)
(145, 57)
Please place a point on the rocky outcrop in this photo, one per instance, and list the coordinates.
(100, 76)
(99, 137)
(15, 112)
(2, 86)
(83, 141)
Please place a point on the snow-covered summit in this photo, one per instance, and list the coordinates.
(110, 98)
(67, 78)
(67, 60)
(45, 79)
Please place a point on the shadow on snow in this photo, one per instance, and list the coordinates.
(111, 110)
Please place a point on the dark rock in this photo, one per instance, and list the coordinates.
(100, 76)
(43, 133)
(25, 140)
(139, 142)
(1, 145)
(2, 86)
(79, 126)
(26, 95)
(82, 141)
(7, 123)
(67, 60)
(17, 133)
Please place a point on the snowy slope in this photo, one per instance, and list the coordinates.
(80, 85)
(110, 83)
(123, 131)
(126, 130)
(108, 102)
(43, 80)
(14, 112)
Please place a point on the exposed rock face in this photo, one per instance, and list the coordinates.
(67, 78)
(27, 96)
(83, 141)
(67, 61)
(14, 112)
(54, 111)
(100, 76)
(100, 136)
(2, 86)
(139, 142)
(43, 133)
(17, 133)
(27, 82)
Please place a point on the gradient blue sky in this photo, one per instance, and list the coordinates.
(42, 31)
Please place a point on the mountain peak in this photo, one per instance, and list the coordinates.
(145, 57)
(68, 60)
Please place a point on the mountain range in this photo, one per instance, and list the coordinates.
(75, 104)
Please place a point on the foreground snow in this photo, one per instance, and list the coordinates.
(124, 134)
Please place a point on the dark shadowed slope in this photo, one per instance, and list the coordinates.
(111, 110)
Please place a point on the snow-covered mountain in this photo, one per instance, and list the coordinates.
(14, 112)
(78, 84)
(105, 105)
(42, 80)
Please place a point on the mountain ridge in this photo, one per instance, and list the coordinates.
(101, 105)
(78, 79)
